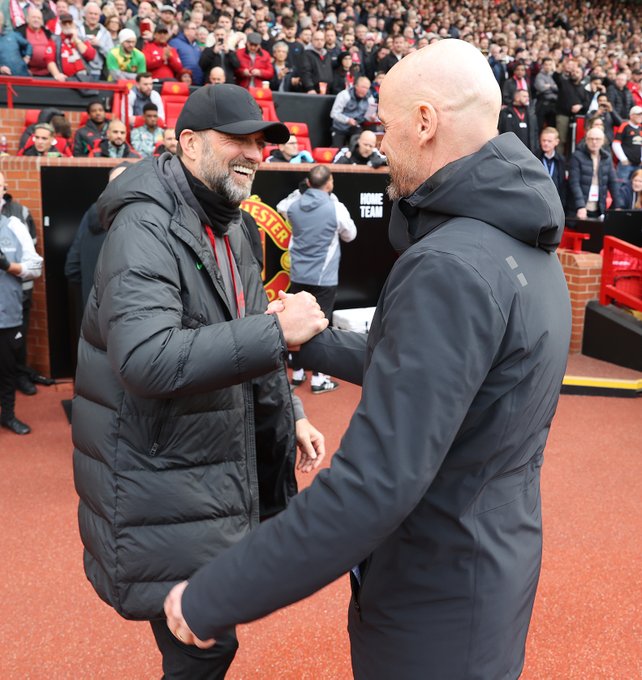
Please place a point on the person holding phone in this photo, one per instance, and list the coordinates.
(219, 55)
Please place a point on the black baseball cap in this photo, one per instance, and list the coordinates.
(230, 109)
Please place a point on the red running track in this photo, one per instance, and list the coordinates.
(586, 623)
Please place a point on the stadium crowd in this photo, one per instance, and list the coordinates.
(555, 65)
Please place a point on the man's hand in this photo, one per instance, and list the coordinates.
(4, 262)
(581, 214)
(5, 70)
(575, 108)
(301, 318)
(311, 444)
(175, 621)
(60, 77)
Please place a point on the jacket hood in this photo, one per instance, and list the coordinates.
(140, 182)
(312, 199)
(502, 184)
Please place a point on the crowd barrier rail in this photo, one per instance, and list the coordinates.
(621, 274)
(120, 89)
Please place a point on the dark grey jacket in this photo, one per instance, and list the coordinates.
(182, 416)
(434, 492)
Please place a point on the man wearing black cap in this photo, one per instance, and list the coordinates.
(183, 423)
(255, 64)
(163, 62)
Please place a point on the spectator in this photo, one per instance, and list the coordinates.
(113, 26)
(163, 62)
(62, 7)
(343, 77)
(115, 144)
(363, 152)
(280, 79)
(318, 222)
(62, 135)
(546, 91)
(594, 89)
(516, 82)
(316, 69)
(627, 145)
(94, 129)
(289, 153)
(168, 144)
(167, 18)
(10, 208)
(15, 51)
(67, 55)
(635, 85)
(143, 93)
(19, 262)
(185, 44)
(571, 99)
(186, 77)
(149, 134)
(553, 162)
(141, 23)
(216, 76)
(39, 38)
(497, 60)
(295, 52)
(220, 55)
(608, 116)
(125, 61)
(255, 65)
(20, 11)
(397, 53)
(351, 108)
(368, 56)
(631, 192)
(591, 175)
(98, 37)
(44, 141)
(594, 121)
(519, 118)
(620, 96)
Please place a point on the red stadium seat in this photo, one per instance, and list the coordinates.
(31, 117)
(174, 95)
(324, 154)
(263, 97)
(268, 149)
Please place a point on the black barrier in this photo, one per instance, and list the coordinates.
(314, 110)
(67, 192)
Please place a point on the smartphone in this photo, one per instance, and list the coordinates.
(145, 25)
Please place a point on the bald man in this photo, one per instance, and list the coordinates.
(432, 502)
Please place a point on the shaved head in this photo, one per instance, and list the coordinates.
(438, 104)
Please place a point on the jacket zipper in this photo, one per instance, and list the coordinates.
(159, 430)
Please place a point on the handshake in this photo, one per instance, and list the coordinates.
(300, 317)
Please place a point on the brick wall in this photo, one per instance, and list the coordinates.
(583, 273)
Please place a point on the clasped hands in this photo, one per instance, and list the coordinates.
(300, 317)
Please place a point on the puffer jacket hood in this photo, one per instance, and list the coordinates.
(312, 199)
(133, 187)
(502, 184)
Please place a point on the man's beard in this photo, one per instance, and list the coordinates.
(400, 182)
(220, 180)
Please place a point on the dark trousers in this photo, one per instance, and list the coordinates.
(186, 662)
(341, 139)
(10, 344)
(325, 296)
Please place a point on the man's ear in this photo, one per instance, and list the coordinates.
(189, 142)
(426, 122)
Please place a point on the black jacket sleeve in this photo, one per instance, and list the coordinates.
(410, 412)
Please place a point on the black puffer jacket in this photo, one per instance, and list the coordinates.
(580, 176)
(181, 415)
